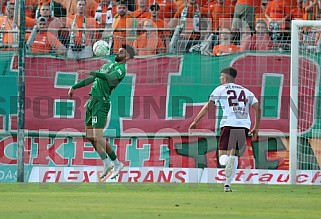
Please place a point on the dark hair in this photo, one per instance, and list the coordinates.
(40, 5)
(42, 19)
(129, 49)
(230, 71)
(122, 2)
(153, 6)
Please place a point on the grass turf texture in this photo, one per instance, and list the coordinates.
(154, 200)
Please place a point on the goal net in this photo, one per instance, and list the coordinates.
(305, 125)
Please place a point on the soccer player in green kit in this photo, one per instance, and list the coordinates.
(104, 80)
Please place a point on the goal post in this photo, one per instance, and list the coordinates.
(304, 51)
(21, 91)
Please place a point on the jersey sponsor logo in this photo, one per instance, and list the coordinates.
(92, 174)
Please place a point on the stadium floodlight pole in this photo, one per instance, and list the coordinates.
(21, 90)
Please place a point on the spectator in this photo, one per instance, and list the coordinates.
(205, 3)
(298, 12)
(7, 24)
(71, 7)
(277, 12)
(190, 18)
(104, 15)
(160, 23)
(210, 4)
(80, 45)
(57, 26)
(6, 21)
(3, 4)
(142, 11)
(260, 15)
(311, 9)
(260, 40)
(123, 19)
(179, 2)
(219, 13)
(105, 12)
(45, 11)
(31, 5)
(42, 41)
(311, 35)
(53, 22)
(225, 47)
(167, 8)
(244, 12)
(291, 4)
(56, 9)
(51, 8)
(132, 5)
(202, 3)
(149, 43)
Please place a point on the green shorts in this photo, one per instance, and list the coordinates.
(97, 110)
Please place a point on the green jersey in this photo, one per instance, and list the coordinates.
(105, 80)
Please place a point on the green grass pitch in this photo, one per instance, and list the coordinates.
(157, 200)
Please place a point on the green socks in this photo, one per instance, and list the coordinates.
(112, 156)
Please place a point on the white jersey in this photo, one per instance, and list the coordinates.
(235, 101)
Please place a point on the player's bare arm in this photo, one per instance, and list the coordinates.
(71, 92)
(84, 72)
(202, 113)
(257, 120)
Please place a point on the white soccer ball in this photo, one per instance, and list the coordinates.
(223, 159)
(101, 48)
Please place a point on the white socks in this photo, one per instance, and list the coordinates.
(116, 161)
(106, 161)
(234, 168)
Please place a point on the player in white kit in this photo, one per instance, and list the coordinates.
(236, 102)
